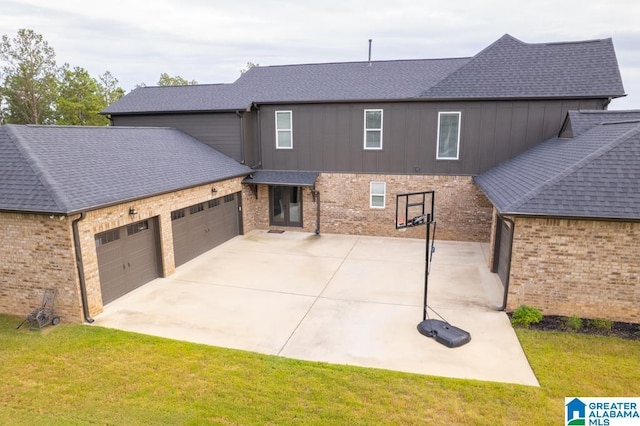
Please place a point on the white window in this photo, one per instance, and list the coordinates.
(448, 135)
(377, 195)
(372, 129)
(284, 130)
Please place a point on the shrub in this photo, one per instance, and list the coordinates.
(601, 324)
(525, 316)
(573, 323)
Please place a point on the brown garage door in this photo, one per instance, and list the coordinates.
(201, 227)
(128, 257)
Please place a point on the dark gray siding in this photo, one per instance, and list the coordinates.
(220, 130)
(329, 137)
(250, 135)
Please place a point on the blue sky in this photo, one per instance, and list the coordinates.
(210, 40)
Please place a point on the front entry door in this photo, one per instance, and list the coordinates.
(285, 206)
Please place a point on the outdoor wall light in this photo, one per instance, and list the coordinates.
(132, 211)
(214, 191)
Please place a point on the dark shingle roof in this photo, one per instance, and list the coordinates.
(508, 68)
(211, 97)
(594, 175)
(578, 122)
(378, 80)
(65, 169)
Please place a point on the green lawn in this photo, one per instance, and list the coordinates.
(76, 374)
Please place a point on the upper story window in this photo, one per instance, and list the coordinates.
(284, 130)
(372, 129)
(377, 195)
(448, 135)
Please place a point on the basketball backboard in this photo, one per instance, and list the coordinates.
(414, 209)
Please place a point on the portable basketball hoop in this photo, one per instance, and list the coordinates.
(417, 209)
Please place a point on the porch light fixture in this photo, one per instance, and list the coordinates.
(214, 191)
(132, 211)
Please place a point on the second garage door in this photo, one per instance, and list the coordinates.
(128, 257)
(201, 227)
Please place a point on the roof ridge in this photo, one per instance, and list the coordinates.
(607, 123)
(577, 166)
(32, 160)
(606, 111)
(184, 85)
(594, 40)
(78, 127)
(363, 62)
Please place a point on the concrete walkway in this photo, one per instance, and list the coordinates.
(334, 298)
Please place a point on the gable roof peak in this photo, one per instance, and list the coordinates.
(510, 68)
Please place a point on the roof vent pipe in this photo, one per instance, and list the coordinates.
(370, 52)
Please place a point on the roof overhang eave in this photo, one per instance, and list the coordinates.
(142, 197)
(433, 99)
(517, 98)
(287, 178)
(567, 216)
(169, 112)
(118, 202)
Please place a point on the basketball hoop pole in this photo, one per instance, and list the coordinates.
(427, 262)
(440, 330)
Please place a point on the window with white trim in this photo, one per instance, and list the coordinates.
(372, 129)
(284, 130)
(448, 135)
(377, 195)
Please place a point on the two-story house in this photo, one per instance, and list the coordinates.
(345, 138)
(316, 147)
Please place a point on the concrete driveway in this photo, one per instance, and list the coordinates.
(334, 298)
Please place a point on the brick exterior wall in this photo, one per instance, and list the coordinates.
(576, 267)
(41, 252)
(37, 252)
(462, 211)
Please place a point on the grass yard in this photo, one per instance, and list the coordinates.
(77, 374)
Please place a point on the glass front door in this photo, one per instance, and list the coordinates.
(285, 205)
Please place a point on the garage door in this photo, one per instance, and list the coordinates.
(502, 255)
(201, 227)
(128, 257)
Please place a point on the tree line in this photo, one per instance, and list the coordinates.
(35, 90)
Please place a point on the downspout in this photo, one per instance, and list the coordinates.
(259, 139)
(316, 198)
(506, 284)
(240, 116)
(80, 266)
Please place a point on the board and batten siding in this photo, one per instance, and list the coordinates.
(329, 137)
(218, 130)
